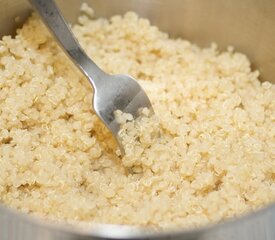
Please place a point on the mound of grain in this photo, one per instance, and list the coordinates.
(207, 156)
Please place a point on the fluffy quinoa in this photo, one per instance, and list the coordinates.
(208, 154)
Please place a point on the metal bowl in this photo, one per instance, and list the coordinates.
(248, 25)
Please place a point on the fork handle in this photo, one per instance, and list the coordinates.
(57, 24)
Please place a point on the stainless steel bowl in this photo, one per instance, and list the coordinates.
(249, 25)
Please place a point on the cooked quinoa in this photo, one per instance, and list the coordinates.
(208, 154)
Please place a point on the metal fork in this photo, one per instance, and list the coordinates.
(111, 92)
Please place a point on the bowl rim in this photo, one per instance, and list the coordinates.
(112, 231)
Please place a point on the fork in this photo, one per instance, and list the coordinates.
(111, 92)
